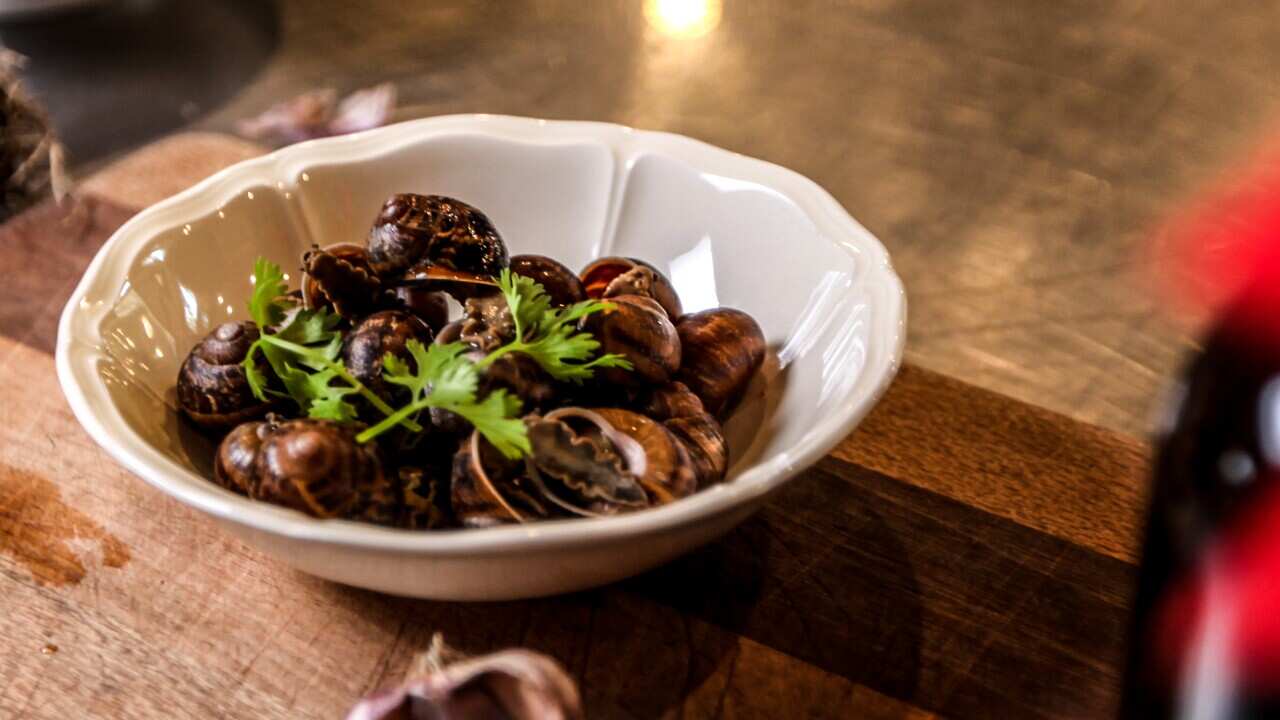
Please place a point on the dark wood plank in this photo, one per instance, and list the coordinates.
(1034, 466)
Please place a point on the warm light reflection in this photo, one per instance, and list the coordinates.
(683, 18)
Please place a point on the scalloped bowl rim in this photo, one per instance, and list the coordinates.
(91, 405)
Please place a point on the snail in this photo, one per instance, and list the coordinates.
(486, 489)
(313, 466)
(586, 463)
(436, 241)
(368, 343)
(562, 286)
(669, 471)
(486, 323)
(638, 329)
(339, 277)
(681, 412)
(721, 351)
(213, 390)
(429, 306)
(609, 277)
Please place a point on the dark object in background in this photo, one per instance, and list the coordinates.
(30, 156)
(117, 74)
(1205, 638)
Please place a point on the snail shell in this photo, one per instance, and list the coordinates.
(213, 390)
(703, 438)
(610, 277)
(486, 488)
(562, 285)
(722, 350)
(669, 472)
(432, 237)
(638, 329)
(429, 306)
(340, 277)
(681, 413)
(317, 467)
(235, 464)
(367, 345)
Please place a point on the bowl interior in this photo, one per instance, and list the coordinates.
(723, 237)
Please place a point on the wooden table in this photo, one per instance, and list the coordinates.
(962, 554)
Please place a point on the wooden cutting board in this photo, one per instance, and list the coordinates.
(961, 554)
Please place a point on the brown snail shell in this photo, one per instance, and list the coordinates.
(429, 306)
(317, 467)
(432, 237)
(340, 277)
(521, 376)
(669, 473)
(609, 277)
(213, 390)
(486, 488)
(639, 329)
(235, 464)
(562, 285)
(581, 463)
(722, 350)
(665, 402)
(703, 438)
(368, 343)
(681, 412)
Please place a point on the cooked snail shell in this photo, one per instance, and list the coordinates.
(314, 466)
(213, 390)
(438, 239)
(668, 472)
(367, 345)
(487, 490)
(610, 277)
(638, 329)
(339, 277)
(721, 351)
(562, 285)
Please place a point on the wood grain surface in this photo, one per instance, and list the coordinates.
(962, 554)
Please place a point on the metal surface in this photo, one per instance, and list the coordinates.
(1011, 155)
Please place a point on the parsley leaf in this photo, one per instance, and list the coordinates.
(550, 336)
(443, 377)
(268, 287)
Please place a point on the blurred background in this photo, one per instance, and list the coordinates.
(1012, 156)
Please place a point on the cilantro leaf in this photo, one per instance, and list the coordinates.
(442, 376)
(268, 286)
(496, 417)
(549, 335)
(527, 299)
(308, 327)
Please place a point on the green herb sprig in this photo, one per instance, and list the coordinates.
(302, 352)
(442, 377)
(304, 347)
(550, 336)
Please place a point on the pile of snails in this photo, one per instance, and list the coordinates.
(623, 440)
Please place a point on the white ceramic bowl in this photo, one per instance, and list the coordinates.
(729, 230)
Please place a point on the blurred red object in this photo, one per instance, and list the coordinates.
(1224, 250)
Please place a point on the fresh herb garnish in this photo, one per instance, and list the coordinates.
(550, 336)
(302, 348)
(302, 352)
(442, 377)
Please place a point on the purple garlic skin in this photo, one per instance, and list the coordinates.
(518, 684)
